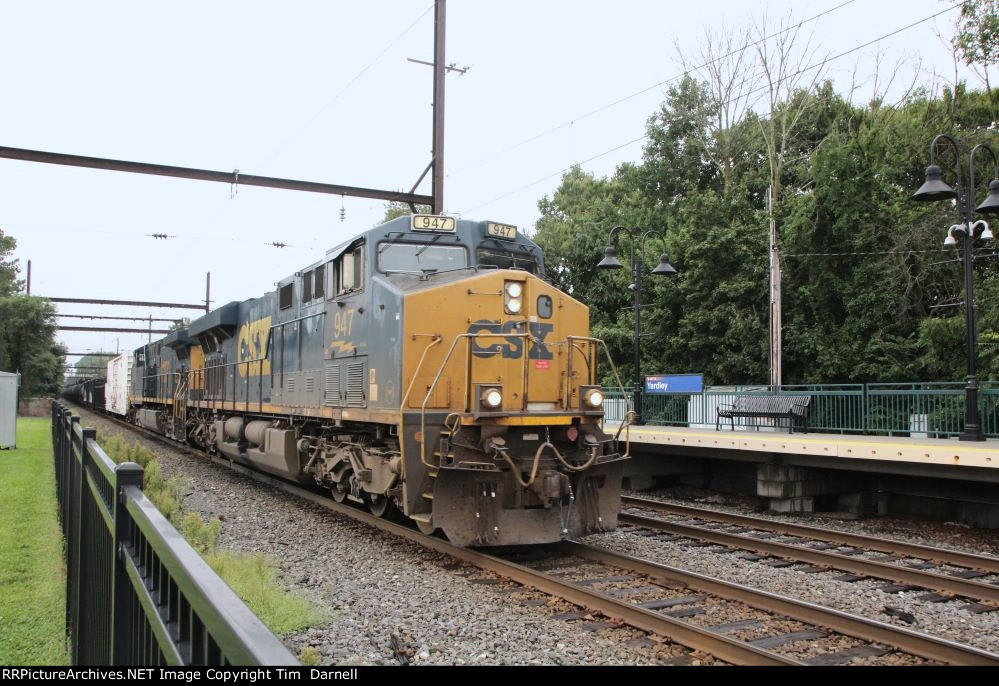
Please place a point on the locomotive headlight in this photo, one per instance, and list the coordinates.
(512, 300)
(491, 398)
(594, 398)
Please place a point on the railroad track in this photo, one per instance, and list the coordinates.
(907, 565)
(667, 602)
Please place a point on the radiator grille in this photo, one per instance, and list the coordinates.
(356, 379)
(331, 387)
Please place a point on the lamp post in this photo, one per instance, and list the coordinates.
(935, 189)
(664, 268)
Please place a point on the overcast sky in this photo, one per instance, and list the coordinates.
(323, 91)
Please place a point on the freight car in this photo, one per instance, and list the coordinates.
(425, 367)
(85, 391)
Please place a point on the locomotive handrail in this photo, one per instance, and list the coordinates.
(402, 405)
(630, 414)
(201, 373)
(468, 371)
(426, 399)
(590, 368)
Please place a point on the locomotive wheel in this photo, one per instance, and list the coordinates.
(341, 488)
(379, 504)
(426, 528)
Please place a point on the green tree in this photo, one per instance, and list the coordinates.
(27, 331)
(977, 37)
(870, 292)
(397, 208)
(27, 344)
(92, 365)
(9, 283)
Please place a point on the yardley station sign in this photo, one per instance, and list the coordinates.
(674, 383)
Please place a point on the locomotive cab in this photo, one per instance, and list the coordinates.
(500, 429)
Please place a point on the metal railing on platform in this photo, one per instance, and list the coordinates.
(136, 592)
(934, 410)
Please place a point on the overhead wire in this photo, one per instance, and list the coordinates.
(347, 87)
(301, 130)
(643, 91)
(761, 88)
(160, 236)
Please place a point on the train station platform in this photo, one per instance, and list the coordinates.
(798, 472)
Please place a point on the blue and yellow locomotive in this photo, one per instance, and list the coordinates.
(425, 366)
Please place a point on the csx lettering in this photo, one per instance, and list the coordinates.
(513, 346)
(252, 345)
(539, 350)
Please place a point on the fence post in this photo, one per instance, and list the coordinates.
(126, 474)
(58, 462)
(88, 625)
(863, 410)
(73, 516)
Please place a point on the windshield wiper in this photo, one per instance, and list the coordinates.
(432, 241)
(423, 273)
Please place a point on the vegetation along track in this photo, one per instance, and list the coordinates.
(768, 629)
(908, 564)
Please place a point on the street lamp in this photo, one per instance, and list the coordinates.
(664, 268)
(935, 189)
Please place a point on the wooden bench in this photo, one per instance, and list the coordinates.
(790, 407)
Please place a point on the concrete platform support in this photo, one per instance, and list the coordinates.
(795, 489)
(643, 472)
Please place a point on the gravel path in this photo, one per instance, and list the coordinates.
(392, 602)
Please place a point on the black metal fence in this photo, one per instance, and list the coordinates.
(136, 592)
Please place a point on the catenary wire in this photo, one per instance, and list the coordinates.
(789, 76)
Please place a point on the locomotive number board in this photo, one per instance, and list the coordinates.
(502, 231)
(430, 222)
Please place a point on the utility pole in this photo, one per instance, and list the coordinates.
(775, 300)
(437, 179)
(436, 166)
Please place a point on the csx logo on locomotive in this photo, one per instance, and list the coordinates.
(513, 349)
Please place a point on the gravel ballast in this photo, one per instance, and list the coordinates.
(951, 619)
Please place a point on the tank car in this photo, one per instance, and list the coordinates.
(424, 367)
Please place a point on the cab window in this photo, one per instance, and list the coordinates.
(343, 275)
(504, 259)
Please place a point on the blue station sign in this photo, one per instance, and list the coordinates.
(674, 383)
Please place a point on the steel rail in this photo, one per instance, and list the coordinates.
(905, 640)
(941, 555)
(693, 637)
(915, 577)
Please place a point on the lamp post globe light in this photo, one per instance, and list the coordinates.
(936, 189)
(664, 268)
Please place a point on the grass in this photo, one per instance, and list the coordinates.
(254, 577)
(32, 571)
